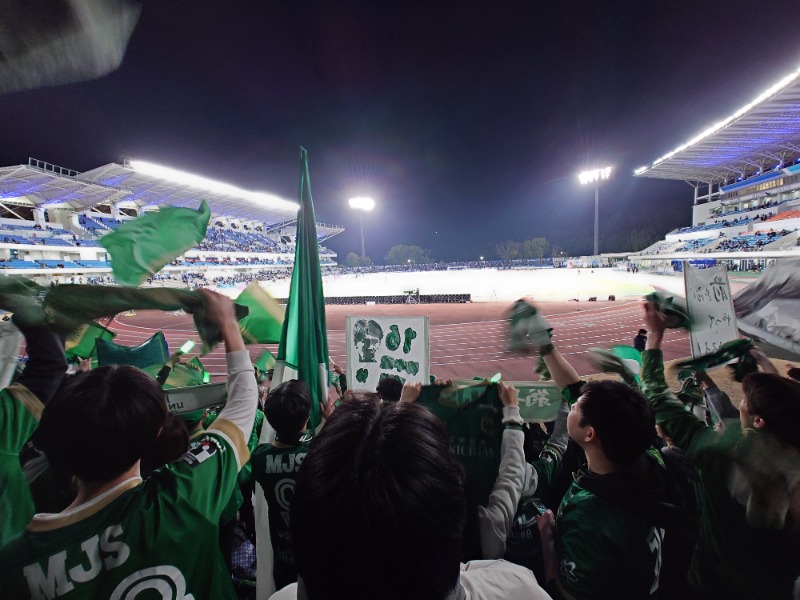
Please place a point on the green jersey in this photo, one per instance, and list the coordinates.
(732, 558)
(134, 538)
(275, 469)
(605, 552)
(19, 417)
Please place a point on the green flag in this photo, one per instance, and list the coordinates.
(626, 361)
(674, 309)
(140, 248)
(153, 352)
(182, 375)
(303, 349)
(264, 362)
(264, 322)
(82, 342)
(18, 295)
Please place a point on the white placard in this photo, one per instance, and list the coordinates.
(386, 345)
(710, 307)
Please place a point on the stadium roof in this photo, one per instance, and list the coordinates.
(40, 186)
(137, 184)
(757, 137)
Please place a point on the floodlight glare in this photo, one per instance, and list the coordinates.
(594, 175)
(217, 187)
(362, 203)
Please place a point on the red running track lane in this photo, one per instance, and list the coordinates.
(466, 340)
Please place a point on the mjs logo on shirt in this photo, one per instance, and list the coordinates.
(100, 553)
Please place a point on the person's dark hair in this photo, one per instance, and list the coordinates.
(172, 443)
(642, 331)
(622, 418)
(776, 400)
(100, 423)
(359, 396)
(379, 506)
(389, 389)
(287, 409)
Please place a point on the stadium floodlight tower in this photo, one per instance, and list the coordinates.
(595, 176)
(362, 204)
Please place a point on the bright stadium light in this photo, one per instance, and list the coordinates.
(595, 176)
(209, 185)
(365, 204)
(362, 203)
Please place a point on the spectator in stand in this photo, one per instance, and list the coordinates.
(123, 536)
(640, 340)
(748, 544)
(275, 465)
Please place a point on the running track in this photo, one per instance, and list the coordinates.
(466, 340)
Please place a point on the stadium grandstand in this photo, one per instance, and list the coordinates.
(52, 218)
(745, 172)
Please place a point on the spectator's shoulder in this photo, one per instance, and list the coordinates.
(592, 515)
(499, 579)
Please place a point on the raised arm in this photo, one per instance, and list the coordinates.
(497, 517)
(685, 429)
(240, 408)
(22, 402)
(21, 405)
(46, 361)
(562, 372)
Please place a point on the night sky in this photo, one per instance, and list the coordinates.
(466, 121)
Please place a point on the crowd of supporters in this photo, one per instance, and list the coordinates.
(633, 491)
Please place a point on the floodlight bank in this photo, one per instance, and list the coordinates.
(203, 183)
(765, 95)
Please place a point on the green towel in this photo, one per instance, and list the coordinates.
(69, 306)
